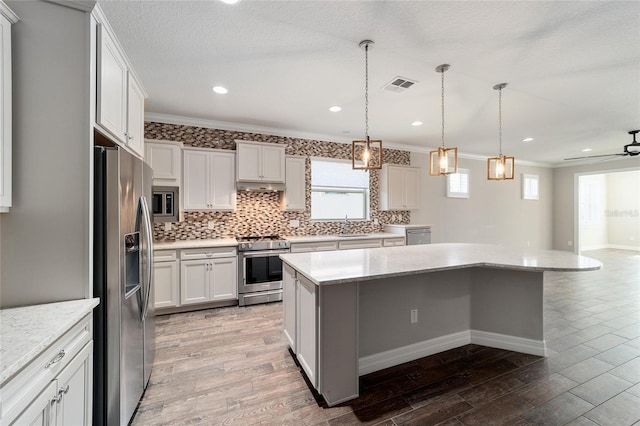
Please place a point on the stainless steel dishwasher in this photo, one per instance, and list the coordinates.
(413, 234)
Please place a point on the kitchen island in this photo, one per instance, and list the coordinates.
(349, 313)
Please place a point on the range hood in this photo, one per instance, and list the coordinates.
(260, 186)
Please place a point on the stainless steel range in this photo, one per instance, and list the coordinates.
(260, 269)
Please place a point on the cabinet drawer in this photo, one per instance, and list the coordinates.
(390, 242)
(18, 392)
(164, 255)
(346, 245)
(207, 253)
(319, 246)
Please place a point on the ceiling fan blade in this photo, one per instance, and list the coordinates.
(593, 156)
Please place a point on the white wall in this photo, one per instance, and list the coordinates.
(564, 182)
(495, 212)
(593, 233)
(45, 238)
(623, 210)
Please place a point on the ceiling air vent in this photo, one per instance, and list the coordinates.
(399, 84)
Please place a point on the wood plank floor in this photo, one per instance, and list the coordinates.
(232, 366)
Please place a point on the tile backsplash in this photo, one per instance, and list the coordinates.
(259, 213)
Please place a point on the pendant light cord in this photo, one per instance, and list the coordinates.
(442, 98)
(366, 92)
(500, 118)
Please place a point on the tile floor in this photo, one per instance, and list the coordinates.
(231, 366)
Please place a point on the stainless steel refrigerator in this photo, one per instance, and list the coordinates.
(123, 268)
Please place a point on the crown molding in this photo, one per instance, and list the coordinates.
(289, 133)
(83, 5)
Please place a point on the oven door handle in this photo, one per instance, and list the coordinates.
(263, 253)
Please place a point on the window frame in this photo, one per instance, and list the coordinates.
(458, 194)
(526, 195)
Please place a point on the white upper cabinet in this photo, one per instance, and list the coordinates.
(120, 106)
(7, 18)
(399, 187)
(294, 196)
(209, 180)
(260, 162)
(164, 159)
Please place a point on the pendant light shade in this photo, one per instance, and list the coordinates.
(366, 154)
(500, 167)
(443, 161)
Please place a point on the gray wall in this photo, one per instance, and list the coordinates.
(563, 197)
(45, 238)
(495, 212)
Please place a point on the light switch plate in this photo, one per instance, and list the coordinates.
(211, 224)
(294, 223)
(167, 226)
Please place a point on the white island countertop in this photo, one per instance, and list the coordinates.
(335, 267)
(25, 332)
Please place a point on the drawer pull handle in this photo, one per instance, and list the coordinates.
(63, 390)
(56, 359)
(56, 399)
(208, 254)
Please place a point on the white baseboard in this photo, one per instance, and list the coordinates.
(510, 343)
(623, 247)
(386, 359)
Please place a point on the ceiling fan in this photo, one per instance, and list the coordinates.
(631, 149)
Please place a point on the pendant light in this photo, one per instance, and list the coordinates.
(366, 154)
(500, 167)
(444, 161)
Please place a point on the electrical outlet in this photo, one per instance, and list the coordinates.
(376, 221)
(414, 316)
(167, 226)
(211, 224)
(294, 223)
(528, 243)
(569, 243)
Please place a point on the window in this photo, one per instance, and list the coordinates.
(338, 191)
(530, 187)
(590, 202)
(458, 184)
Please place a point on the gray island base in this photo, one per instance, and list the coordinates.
(350, 313)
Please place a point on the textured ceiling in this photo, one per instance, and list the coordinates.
(573, 69)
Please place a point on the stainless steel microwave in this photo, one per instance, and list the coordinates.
(165, 204)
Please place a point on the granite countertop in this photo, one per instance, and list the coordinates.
(27, 331)
(335, 267)
(182, 244)
(336, 237)
(409, 226)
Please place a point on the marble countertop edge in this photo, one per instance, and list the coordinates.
(16, 338)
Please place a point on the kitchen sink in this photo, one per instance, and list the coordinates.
(352, 235)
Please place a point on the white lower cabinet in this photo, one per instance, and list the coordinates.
(208, 275)
(166, 279)
(289, 294)
(348, 244)
(306, 328)
(314, 246)
(61, 379)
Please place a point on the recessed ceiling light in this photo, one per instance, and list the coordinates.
(586, 150)
(230, 1)
(527, 139)
(417, 123)
(335, 108)
(220, 90)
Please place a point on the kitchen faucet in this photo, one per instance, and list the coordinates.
(347, 227)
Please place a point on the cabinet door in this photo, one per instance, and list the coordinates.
(74, 400)
(411, 189)
(289, 305)
(5, 110)
(194, 281)
(196, 180)
(135, 117)
(294, 196)
(395, 188)
(273, 166)
(42, 411)
(164, 159)
(165, 284)
(248, 162)
(223, 278)
(307, 328)
(112, 87)
(222, 171)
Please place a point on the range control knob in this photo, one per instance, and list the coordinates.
(242, 245)
(249, 245)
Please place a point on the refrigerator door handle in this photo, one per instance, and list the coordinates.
(147, 225)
